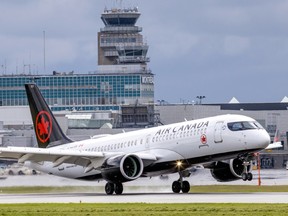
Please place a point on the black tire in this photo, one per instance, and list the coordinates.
(118, 188)
(10, 172)
(176, 187)
(21, 172)
(185, 187)
(249, 176)
(244, 176)
(109, 188)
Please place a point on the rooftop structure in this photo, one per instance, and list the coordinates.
(120, 41)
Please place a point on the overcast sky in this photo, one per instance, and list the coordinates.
(216, 48)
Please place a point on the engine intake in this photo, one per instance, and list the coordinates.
(224, 171)
(122, 168)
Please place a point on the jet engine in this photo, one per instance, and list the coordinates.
(224, 171)
(122, 168)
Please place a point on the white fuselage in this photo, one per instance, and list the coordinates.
(198, 141)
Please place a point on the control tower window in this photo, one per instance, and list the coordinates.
(121, 21)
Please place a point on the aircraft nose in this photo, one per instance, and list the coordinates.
(264, 139)
(259, 140)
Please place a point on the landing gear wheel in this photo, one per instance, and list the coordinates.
(109, 188)
(249, 176)
(185, 187)
(118, 188)
(244, 176)
(176, 187)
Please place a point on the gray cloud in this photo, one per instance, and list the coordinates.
(216, 48)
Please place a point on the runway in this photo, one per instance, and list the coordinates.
(146, 198)
(144, 190)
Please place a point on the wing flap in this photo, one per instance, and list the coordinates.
(56, 156)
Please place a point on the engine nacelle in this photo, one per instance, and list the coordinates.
(122, 168)
(224, 171)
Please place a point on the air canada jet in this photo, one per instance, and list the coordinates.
(225, 144)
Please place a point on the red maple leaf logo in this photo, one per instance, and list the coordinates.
(43, 126)
(203, 139)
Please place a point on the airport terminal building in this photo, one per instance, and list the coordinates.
(97, 91)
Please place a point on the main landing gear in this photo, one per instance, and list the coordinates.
(179, 185)
(110, 188)
(247, 175)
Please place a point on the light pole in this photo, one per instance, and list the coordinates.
(200, 98)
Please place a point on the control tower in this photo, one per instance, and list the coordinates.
(122, 53)
(120, 41)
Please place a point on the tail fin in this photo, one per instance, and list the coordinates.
(277, 136)
(47, 130)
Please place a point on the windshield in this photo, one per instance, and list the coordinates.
(236, 126)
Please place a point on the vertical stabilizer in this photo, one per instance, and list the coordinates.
(277, 136)
(47, 130)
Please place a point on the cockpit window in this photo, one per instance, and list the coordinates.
(258, 125)
(236, 126)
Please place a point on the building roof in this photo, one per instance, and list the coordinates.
(252, 106)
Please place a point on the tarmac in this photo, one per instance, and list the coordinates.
(146, 198)
(154, 190)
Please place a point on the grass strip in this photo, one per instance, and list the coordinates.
(143, 209)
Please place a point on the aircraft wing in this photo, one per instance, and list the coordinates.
(56, 156)
(90, 160)
(274, 145)
(276, 141)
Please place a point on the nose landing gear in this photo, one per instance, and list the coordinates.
(246, 175)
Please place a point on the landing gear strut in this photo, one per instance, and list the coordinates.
(246, 175)
(179, 185)
(110, 188)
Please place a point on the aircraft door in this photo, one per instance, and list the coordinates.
(218, 132)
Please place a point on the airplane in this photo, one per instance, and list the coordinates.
(276, 141)
(225, 144)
